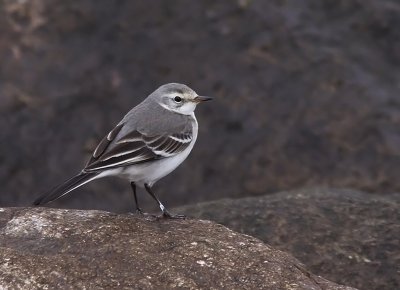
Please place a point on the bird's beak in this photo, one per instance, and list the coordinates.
(200, 99)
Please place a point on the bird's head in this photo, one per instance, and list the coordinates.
(178, 98)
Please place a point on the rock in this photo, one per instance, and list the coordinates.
(59, 249)
(306, 93)
(347, 236)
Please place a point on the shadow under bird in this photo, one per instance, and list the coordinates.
(153, 139)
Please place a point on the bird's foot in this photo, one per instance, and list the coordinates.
(168, 215)
(139, 212)
(165, 215)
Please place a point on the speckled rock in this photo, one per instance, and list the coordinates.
(49, 248)
(347, 236)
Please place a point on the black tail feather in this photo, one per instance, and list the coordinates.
(65, 187)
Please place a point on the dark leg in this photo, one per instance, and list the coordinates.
(133, 185)
(165, 213)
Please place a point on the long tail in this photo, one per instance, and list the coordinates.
(66, 187)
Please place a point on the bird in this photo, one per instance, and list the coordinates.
(151, 141)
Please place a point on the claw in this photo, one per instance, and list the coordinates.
(168, 215)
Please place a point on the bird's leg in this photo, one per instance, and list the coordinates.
(165, 213)
(138, 209)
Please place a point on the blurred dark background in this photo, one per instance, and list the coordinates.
(306, 94)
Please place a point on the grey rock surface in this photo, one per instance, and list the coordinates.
(347, 236)
(306, 93)
(70, 249)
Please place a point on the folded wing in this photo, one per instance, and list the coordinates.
(134, 147)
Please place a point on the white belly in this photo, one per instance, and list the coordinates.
(151, 172)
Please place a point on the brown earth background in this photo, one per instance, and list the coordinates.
(306, 93)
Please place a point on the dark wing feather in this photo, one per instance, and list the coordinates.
(136, 157)
(123, 149)
(134, 148)
(106, 141)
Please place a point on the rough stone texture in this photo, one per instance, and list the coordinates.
(349, 237)
(306, 93)
(60, 249)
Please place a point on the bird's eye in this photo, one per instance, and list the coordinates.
(178, 99)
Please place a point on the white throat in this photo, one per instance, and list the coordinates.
(186, 109)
